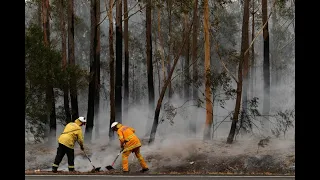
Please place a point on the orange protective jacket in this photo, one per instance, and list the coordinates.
(127, 138)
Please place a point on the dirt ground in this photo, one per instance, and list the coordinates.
(179, 156)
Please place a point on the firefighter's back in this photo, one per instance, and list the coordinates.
(69, 135)
(131, 139)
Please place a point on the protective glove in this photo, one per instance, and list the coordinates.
(122, 147)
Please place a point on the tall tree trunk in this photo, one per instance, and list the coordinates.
(39, 10)
(169, 9)
(163, 90)
(97, 66)
(156, 38)
(245, 73)
(161, 45)
(192, 121)
(149, 64)
(73, 83)
(294, 16)
(133, 94)
(186, 63)
(253, 67)
(111, 66)
(274, 56)
(126, 62)
(133, 77)
(118, 91)
(266, 66)
(50, 100)
(93, 73)
(208, 93)
(64, 59)
(138, 84)
(243, 57)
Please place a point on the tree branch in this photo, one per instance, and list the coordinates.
(222, 121)
(255, 11)
(271, 11)
(225, 67)
(134, 13)
(107, 12)
(287, 44)
(131, 8)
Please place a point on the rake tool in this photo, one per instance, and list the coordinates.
(110, 167)
(95, 169)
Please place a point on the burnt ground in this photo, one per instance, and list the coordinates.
(179, 157)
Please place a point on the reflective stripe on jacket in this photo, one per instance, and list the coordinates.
(71, 133)
(126, 136)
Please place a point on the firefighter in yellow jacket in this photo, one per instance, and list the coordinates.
(130, 143)
(71, 133)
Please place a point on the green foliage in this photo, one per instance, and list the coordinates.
(248, 115)
(36, 113)
(222, 3)
(41, 62)
(281, 121)
(224, 35)
(222, 81)
(284, 121)
(224, 26)
(178, 6)
(61, 115)
(285, 8)
(43, 67)
(169, 113)
(183, 6)
(253, 106)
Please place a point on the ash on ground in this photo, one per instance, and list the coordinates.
(181, 156)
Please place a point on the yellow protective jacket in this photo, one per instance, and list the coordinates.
(128, 138)
(71, 133)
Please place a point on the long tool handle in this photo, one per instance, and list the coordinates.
(86, 156)
(89, 159)
(117, 157)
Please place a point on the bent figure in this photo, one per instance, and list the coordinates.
(71, 133)
(130, 143)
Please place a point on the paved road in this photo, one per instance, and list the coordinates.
(154, 177)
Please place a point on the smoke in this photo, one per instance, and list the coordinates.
(173, 146)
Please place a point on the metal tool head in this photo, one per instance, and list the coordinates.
(109, 167)
(95, 169)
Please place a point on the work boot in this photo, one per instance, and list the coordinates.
(54, 169)
(144, 170)
(125, 172)
(71, 169)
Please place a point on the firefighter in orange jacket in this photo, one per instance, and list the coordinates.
(71, 133)
(130, 143)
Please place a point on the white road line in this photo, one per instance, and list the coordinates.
(160, 176)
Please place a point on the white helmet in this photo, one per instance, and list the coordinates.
(82, 119)
(114, 124)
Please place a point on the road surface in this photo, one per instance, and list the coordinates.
(153, 177)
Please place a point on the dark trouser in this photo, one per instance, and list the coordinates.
(61, 151)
